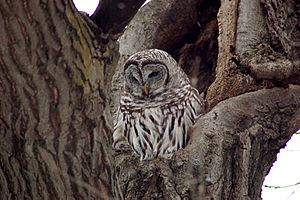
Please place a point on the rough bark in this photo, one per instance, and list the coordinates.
(55, 124)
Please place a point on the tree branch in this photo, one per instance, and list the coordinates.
(245, 133)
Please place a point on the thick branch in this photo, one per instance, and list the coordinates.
(242, 136)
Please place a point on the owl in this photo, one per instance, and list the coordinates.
(158, 106)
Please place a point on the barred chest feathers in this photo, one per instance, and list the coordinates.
(154, 131)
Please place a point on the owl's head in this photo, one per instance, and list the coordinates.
(150, 73)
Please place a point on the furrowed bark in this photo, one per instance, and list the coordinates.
(55, 124)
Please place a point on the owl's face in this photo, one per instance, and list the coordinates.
(151, 73)
(146, 80)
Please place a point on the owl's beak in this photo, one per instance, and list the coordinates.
(146, 89)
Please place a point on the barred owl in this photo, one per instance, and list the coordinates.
(158, 105)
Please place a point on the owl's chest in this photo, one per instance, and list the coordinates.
(153, 131)
(155, 124)
(153, 117)
(157, 130)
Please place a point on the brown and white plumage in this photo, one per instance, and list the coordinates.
(157, 107)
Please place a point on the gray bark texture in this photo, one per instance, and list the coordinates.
(60, 82)
(55, 123)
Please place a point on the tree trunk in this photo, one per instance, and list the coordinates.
(56, 97)
(55, 124)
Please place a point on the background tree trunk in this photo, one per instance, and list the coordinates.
(56, 68)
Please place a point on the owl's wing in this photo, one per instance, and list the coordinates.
(118, 133)
(197, 104)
